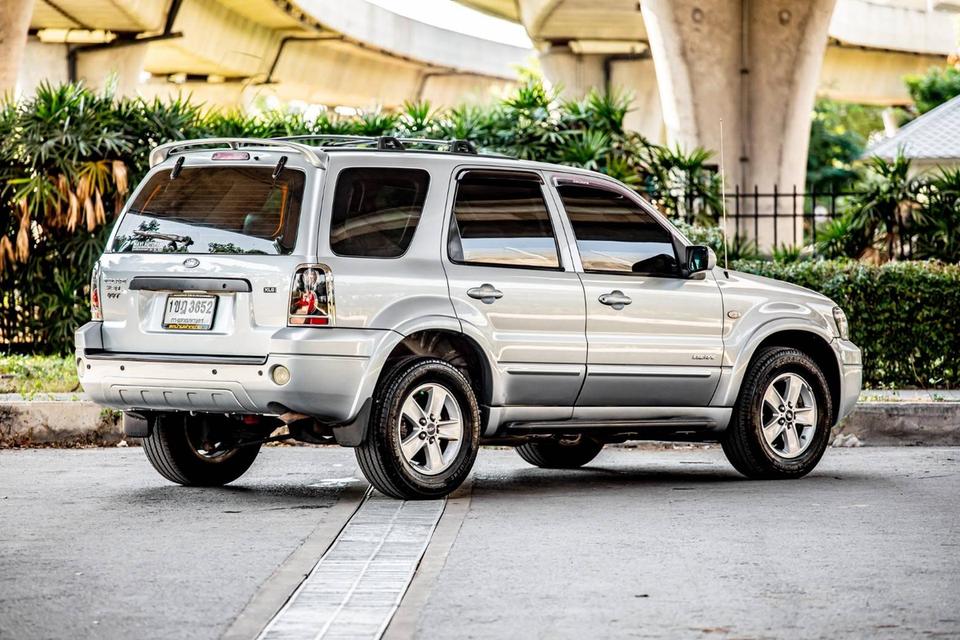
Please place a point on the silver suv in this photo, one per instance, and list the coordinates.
(414, 299)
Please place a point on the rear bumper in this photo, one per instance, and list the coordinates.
(331, 373)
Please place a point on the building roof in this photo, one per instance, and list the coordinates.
(933, 136)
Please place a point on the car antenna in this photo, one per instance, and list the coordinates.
(723, 204)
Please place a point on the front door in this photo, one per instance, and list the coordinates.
(513, 287)
(654, 336)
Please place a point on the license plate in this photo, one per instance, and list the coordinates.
(189, 312)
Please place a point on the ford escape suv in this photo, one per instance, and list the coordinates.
(415, 299)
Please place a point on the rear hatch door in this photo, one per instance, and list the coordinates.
(202, 260)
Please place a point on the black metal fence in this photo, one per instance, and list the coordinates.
(790, 216)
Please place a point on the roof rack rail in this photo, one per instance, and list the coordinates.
(164, 151)
(385, 143)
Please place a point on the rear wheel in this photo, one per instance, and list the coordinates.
(781, 422)
(560, 453)
(424, 431)
(196, 450)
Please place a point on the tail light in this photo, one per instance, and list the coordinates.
(96, 309)
(311, 297)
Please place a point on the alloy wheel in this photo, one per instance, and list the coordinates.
(788, 415)
(430, 429)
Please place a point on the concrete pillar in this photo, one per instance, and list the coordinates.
(99, 67)
(14, 23)
(576, 74)
(41, 63)
(755, 64)
(640, 79)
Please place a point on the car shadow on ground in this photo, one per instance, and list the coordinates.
(685, 476)
(241, 495)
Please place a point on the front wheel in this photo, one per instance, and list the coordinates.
(424, 431)
(196, 450)
(781, 423)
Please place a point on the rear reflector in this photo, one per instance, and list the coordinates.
(96, 310)
(230, 155)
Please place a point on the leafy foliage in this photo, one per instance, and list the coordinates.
(68, 157)
(935, 87)
(893, 210)
(938, 233)
(839, 133)
(904, 315)
(29, 375)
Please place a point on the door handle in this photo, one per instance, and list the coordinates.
(616, 299)
(485, 293)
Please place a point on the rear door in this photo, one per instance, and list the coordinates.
(201, 261)
(654, 336)
(513, 287)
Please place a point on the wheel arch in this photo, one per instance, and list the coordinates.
(807, 338)
(449, 345)
(442, 340)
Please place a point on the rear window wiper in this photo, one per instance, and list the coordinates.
(281, 163)
(169, 237)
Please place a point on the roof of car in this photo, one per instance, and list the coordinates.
(401, 150)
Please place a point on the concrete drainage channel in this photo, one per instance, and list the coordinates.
(359, 581)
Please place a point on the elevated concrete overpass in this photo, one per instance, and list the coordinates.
(228, 52)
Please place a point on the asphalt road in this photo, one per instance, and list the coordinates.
(94, 544)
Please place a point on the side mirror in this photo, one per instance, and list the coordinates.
(699, 258)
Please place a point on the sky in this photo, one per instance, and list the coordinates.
(454, 16)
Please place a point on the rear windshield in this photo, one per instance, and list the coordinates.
(230, 210)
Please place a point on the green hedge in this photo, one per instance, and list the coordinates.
(904, 315)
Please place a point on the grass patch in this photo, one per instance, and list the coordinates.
(38, 374)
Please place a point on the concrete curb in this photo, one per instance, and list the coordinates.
(58, 422)
(64, 420)
(904, 423)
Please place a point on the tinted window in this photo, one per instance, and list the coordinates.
(502, 220)
(614, 234)
(214, 210)
(376, 211)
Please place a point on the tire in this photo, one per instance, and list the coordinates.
(174, 451)
(408, 453)
(558, 453)
(795, 451)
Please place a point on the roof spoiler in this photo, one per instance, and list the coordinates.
(315, 157)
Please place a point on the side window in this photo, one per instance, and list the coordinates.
(502, 220)
(615, 235)
(376, 211)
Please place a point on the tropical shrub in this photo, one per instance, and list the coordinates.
(904, 315)
(68, 157)
(938, 227)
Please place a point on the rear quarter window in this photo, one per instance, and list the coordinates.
(376, 211)
(226, 210)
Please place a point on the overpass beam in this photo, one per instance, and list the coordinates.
(14, 24)
(756, 65)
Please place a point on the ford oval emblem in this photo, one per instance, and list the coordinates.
(190, 263)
